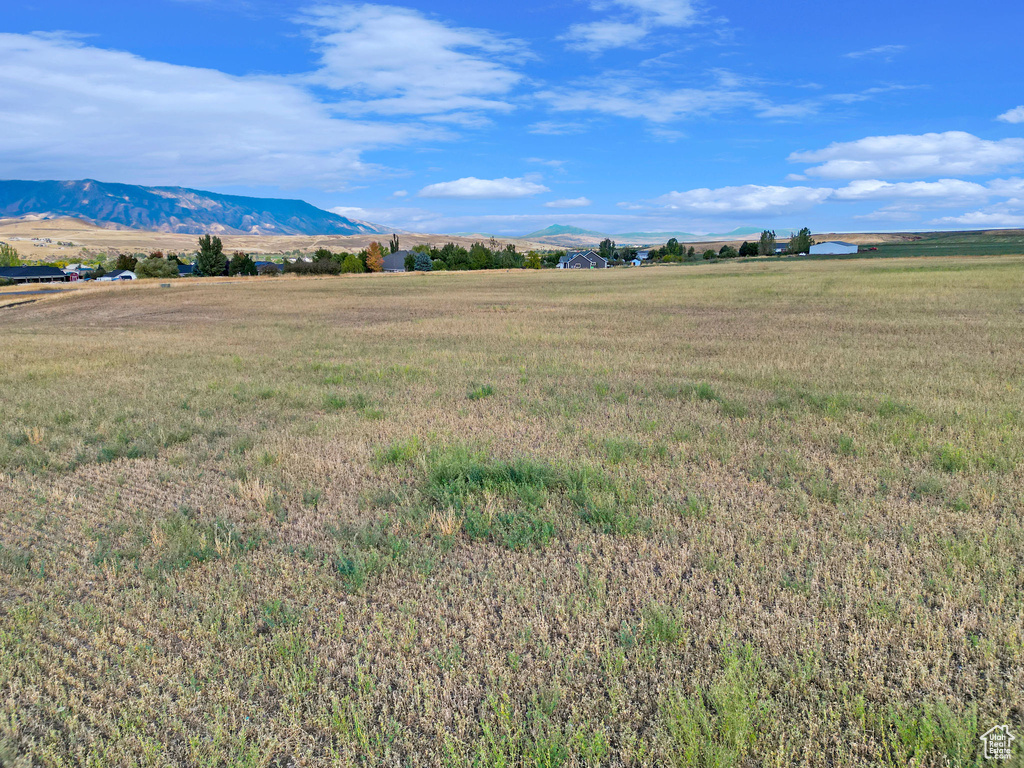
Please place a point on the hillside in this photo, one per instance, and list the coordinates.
(171, 209)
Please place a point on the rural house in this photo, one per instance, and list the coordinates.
(582, 260)
(395, 262)
(34, 274)
(117, 274)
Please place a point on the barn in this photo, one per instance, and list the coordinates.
(34, 275)
(833, 248)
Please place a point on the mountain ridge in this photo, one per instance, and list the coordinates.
(179, 210)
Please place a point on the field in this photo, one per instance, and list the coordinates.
(760, 514)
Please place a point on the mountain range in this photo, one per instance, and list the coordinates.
(564, 235)
(172, 209)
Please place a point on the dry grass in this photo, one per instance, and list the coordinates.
(728, 515)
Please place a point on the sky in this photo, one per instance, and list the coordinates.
(612, 115)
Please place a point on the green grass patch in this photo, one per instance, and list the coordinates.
(480, 391)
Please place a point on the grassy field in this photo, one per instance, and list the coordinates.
(729, 515)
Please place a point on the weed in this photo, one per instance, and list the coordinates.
(480, 391)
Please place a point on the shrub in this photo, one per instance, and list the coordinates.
(709, 254)
(352, 264)
(156, 267)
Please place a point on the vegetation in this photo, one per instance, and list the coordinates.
(374, 258)
(8, 255)
(241, 264)
(211, 261)
(766, 245)
(156, 266)
(471, 521)
(801, 242)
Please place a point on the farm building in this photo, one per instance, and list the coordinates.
(186, 270)
(582, 260)
(34, 274)
(833, 248)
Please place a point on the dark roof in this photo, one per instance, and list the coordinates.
(186, 269)
(30, 272)
(117, 273)
(395, 261)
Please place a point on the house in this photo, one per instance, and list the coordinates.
(34, 275)
(834, 248)
(395, 262)
(116, 275)
(186, 270)
(582, 260)
(636, 261)
(267, 267)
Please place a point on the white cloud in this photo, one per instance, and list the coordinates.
(629, 96)
(68, 110)
(984, 219)
(637, 18)
(574, 202)
(552, 128)
(880, 51)
(399, 193)
(953, 153)
(1015, 115)
(392, 60)
(747, 199)
(941, 192)
(472, 188)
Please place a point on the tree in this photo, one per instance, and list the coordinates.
(748, 249)
(393, 245)
(691, 253)
(8, 256)
(727, 252)
(766, 245)
(480, 257)
(532, 260)
(410, 261)
(438, 265)
(352, 264)
(321, 254)
(709, 254)
(422, 262)
(210, 262)
(374, 258)
(156, 266)
(126, 261)
(801, 242)
(607, 249)
(672, 247)
(241, 264)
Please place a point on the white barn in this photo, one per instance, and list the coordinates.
(834, 248)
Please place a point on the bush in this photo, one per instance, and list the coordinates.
(156, 267)
(709, 254)
(322, 267)
(269, 269)
(352, 265)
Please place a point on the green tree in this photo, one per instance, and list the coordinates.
(8, 256)
(422, 262)
(691, 253)
(607, 249)
(126, 261)
(480, 257)
(672, 247)
(210, 262)
(727, 252)
(156, 266)
(766, 245)
(321, 254)
(352, 264)
(709, 254)
(393, 244)
(410, 262)
(532, 260)
(748, 249)
(801, 242)
(438, 265)
(242, 264)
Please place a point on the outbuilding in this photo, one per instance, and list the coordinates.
(833, 248)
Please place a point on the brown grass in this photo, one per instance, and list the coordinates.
(722, 515)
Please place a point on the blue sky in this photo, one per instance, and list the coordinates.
(614, 115)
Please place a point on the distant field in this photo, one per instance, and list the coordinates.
(727, 515)
(957, 244)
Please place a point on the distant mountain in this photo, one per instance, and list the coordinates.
(172, 209)
(574, 237)
(557, 230)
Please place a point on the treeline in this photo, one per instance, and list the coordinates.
(421, 258)
(766, 245)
